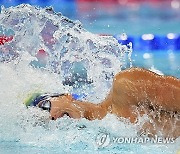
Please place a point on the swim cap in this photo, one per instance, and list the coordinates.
(35, 98)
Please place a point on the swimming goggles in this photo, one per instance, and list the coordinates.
(42, 101)
(45, 105)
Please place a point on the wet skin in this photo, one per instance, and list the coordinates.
(152, 94)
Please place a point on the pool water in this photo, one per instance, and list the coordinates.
(165, 61)
(25, 130)
(131, 18)
(113, 17)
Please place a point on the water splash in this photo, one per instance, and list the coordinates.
(65, 42)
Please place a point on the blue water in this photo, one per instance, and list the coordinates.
(28, 131)
(165, 61)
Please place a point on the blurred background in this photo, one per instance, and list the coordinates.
(153, 26)
(116, 16)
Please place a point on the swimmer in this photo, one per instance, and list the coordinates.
(135, 92)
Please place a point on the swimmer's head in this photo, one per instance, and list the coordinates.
(57, 104)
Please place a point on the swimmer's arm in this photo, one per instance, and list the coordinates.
(138, 85)
(167, 94)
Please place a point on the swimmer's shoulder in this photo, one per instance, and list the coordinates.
(133, 73)
(136, 73)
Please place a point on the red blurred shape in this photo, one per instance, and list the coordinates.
(41, 54)
(4, 39)
(97, 0)
(41, 51)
